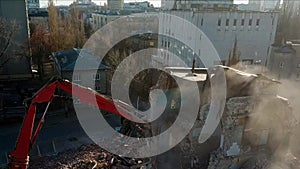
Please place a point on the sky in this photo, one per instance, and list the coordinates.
(156, 3)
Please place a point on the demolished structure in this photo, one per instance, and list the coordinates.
(255, 124)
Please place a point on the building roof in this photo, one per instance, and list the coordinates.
(125, 11)
(83, 59)
(201, 73)
(107, 12)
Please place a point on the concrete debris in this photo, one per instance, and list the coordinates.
(255, 126)
(219, 160)
(254, 130)
(88, 157)
(259, 161)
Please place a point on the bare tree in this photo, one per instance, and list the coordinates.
(77, 26)
(7, 32)
(40, 48)
(65, 32)
(115, 57)
(54, 28)
(288, 23)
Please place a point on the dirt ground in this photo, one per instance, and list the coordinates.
(87, 157)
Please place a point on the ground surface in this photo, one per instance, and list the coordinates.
(87, 157)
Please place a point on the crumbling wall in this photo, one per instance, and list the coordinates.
(252, 126)
(233, 122)
(246, 94)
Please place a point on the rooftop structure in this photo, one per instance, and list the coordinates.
(197, 4)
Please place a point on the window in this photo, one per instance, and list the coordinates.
(298, 77)
(76, 78)
(242, 22)
(151, 43)
(96, 76)
(173, 104)
(234, 22)
(257, 62)
(257, 22)
(219, 22)
(250, 22)
(223, 62)
(98, 88)
(281, 65)
(227, 22)
(247, 61)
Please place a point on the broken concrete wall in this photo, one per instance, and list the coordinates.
(250, 125)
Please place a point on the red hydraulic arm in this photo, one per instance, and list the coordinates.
(19, 158)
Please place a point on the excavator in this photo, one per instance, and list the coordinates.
(19, 157)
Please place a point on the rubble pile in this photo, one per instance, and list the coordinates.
(254, 130)
(219, 160)
(87, 157)
(260, 160)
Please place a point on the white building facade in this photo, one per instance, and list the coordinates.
(98, 20)
(253, 31)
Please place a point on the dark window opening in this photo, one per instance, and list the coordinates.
(243, 22)
(219, 22)
(281, 65)
(247, 61)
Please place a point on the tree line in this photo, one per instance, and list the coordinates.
(288, 22)
(65, 31)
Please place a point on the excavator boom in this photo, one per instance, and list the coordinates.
(19, 158)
